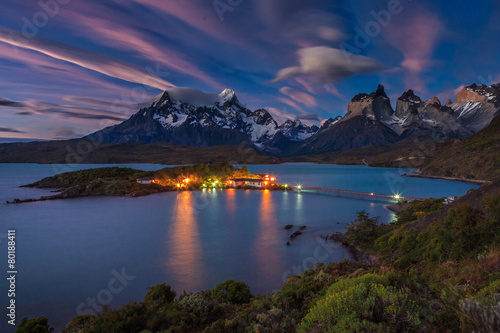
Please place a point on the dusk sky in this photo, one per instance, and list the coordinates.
(71, 67)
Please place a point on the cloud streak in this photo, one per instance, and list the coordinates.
(12, 104)
(299, 96)
(87, 59)
(327, 65)
(10, 130)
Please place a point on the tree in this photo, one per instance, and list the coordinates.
(362, 228)
(160, 294)
(34, 325)
(231, 291)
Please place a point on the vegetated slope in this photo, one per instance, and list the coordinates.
(86, 151)
(477, 157)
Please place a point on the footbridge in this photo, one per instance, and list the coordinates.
(354, 194)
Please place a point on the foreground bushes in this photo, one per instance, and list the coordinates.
(362, 304)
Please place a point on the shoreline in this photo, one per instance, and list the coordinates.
(462, 180)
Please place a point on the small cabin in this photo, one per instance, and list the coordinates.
(146, 180)
(235, 182)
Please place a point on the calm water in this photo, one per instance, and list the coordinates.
(69, 252)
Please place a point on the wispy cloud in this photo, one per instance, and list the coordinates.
(299, 96)
(10, 130)
(12, 104)
(416, 37)
(121, 32)
(328, 65)
(91, 60)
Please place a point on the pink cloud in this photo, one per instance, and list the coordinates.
(280, 115)
(202, 15)
(415, 37)
(120, 34)
(299, 96)
(330, 88)
(87, 59)
(306, 84)
(291, 103)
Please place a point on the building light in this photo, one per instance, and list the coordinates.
(178, 185)
(272, 179)
(286, 185)
(299, 187)
(186, 180)
(265, 183)
(397, 196)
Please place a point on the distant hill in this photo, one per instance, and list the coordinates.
(477, 157)
(93, 152)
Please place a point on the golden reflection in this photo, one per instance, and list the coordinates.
(185, 259)
(231, 202)
(268, 238)
(299, 209)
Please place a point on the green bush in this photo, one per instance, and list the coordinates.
(160, 294)
(231, 291)
(365, 303)
(34, 325)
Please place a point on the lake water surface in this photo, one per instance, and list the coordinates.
(72, 253)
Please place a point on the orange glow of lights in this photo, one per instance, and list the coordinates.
(272, 179)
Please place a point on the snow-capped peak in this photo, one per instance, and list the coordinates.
(227, 95)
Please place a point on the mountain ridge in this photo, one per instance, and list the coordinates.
(188, 117)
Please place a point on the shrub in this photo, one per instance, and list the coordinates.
(362, 228)
(485, 318)
(34, 325)
(160, 294)
(79, 324)
(365, 303)
(231, 291)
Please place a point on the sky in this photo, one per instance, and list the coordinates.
(71, 67)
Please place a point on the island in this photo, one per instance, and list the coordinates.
(118, 181)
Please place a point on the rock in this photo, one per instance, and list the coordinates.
(434, 100)
(302, 227)
(295, 234)
(375, 106)
(288, 226)
(337, 237)
(448, 102)
(288, 243)
(408, 103)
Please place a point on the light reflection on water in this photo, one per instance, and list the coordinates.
(186, 256)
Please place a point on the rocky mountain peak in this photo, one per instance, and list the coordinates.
(410, 96)
(329, 122)
(262, 117)
(228, 95)
(434, 100)
(473, 93)
(295, 130)
(448, 102)
(379, 92)
(407, 104)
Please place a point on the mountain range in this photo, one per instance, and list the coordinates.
(189, 117)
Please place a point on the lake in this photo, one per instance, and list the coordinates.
(74, 255)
